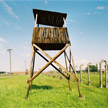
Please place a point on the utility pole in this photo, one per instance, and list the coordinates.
(9, 50)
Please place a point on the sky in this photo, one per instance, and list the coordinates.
(87, 23)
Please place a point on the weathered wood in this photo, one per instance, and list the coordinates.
(27, 91)
(73, 61)
(32, 72)
(53, 41)
(65, 60)
(64, 21)
(36, 20)
(67, 69)
(52, 65)
(43, 68)
(56, 61)
(80, 95)
(59, 35)
(41, 35)
(81, 73)
(67, 36)
(49, 17)
(33, 64)
(69, 62)
(106, 74)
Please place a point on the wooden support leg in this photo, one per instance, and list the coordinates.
(69, 62)
(30, 72)
(67, 69)
(69, 84)
(73, 61)
(80, 95)
(31, 85)
(27, 91)
(33, 66)
(81, 73)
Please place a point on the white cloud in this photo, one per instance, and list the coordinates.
(71, 20)
(3, 21)
(9, 9)
(88, 13)
(100, 7)
(2, 40)
(46, 2)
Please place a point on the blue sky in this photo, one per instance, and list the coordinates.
(87, 23)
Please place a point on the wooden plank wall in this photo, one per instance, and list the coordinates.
(50, 35)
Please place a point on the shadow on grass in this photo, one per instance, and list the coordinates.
(104, 86)
(98, 86)
(44, 87)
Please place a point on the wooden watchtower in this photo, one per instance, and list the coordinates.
(53, 37)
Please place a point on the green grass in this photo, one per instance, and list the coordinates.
(51, 92)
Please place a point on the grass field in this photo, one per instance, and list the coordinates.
(51, 92)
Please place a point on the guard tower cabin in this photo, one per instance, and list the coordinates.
(50, 38)
(53, 37)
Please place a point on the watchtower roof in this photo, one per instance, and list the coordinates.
(49, 18)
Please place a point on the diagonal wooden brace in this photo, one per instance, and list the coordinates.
(53, 65)
(67, 69)
(43, 68)
(69, 61)
(73, 60)
(56, 61)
